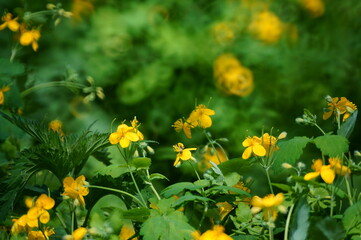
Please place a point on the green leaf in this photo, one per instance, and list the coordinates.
(232, 179)
(155, 176)
(238, 165)
(137, 214)
(348, 126)
(172, 226)
(244, 237)
(300, 222)
(141, 162)
(243, 212)
(10, 68)
(189, 198)
(352, 219)
(228, 188)
(176, 188)
(332, 145)
(326, 229)
(283, 187)
(289, 151)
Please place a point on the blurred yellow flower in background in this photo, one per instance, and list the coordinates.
(340, 169)
(78, 234)
(81, 8)
(9, 22)
(217, 233)
(223, 32)
(337, 107)
(270, 204)
(76, 189)
(315, 7)
(326, 171)
(267, 27)
(211, 156)
(56, 126)
(231, 77)
(2, 90)
(126, 232)
(30, 37)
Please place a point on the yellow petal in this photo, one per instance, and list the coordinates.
(176, 160)
(186, 154)
(311, 175)
(33, 213)
(13, 25)
(3, 26)
(44, 217)
(35, 46)
(79, 233)
(259, 150)
(257, 202)
(327, 174)
(124, 142)
(327, 115)
(317, 165)
(45, 202)
(247, 153)
(26, 38)
(247, 142)
(132, 136)
(205, 121)
(68, 182)
(114, 138)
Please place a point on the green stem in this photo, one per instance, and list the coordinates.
(270, 225)
(13, 52)
(152, 186)
(61, 220)
(316, 125)
(214, 148)
(52, 84)
(269, 179)
(288, 221)
(332, 199)
(119, 191)
(348, 191)
(224, 152)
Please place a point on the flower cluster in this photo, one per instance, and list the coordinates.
(232, 78)
(199, 117)
(339, 107)
(327, 172)
(76, 189)
(270, 204)
(261, 146)
(315, 7)
(267, 27)
(38, 212)
(126, 134)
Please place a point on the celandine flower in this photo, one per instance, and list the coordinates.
(269, 143)
(124, 135)
(40, 235)
(267, 27)
(78, 234)
(2, 90)
(223, 32)
(30, 37)
(339, 106)
(217, 233)
(326, 171)
(126, 232)
(270, 204)
(9, 22)
(179, 126)
(200, 117)
(135, 125)
(315, 7)
(253, 145)
(212, 156)
(56, 126)
(183, 153)
(76, 189)
(39, 210)
(340, 169)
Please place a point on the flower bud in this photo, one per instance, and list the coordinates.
(300, 120)
(328, 99)
(350, 110)
(357, 153)
(150, 150)
(282, 135)
(301, 165)
(57, 22)
(287, 165)
(50, 6)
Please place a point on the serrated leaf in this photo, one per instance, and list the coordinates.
(352, 219)
(155, 176)
(176, 188)
(164, 227)
(300, 223)
(190, 198)
(332, 145)
(228, 188)
(232, 179)
(238, 165)
(348, 126)
(243, 212)
(137, 214)
(289, 151)
(141, 162)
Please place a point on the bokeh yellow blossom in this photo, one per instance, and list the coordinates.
(81, 8)
(182, 153)
(315, 7)
(340, 106)
(232, 78)
(76, 189)
(326, 171)
(223, 32)
(267, 27)
(217, 233)
(56, 126)
(2, 90)
(336, 165)
(78, 234)
(126, 232)
(224, 208)
(270, 204)
(30, 37)
(210, 155)
(180, 126)
(9, 22)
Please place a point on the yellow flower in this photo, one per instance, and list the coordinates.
(126, 232)
(20, 224)
(269, 143)
(211, 156)
(326, 171)
(342, 106)
(81, 7)
(183, 153)
(9, 22)
(267, 27)
(30, 37)
(124, 135)
(217, 233)
(223, 32)
(56, 126)
(340, 169)
(253, 145)
(270, 204)
(179, 126)
(315, 7)
(135, 125)
(224, 208)
(78, 234)
(39, 210)
(233, 78)
(2, 90)
(75, 189)
(242, 186)
(201, 117)
(39, 235)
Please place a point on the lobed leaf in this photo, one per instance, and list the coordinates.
(332, 145)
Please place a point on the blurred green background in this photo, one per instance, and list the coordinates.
(155, 60)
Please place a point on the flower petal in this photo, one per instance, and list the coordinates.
(259, 150)
(311, 175)
(124, 142)
(247, 153)
(327, 174)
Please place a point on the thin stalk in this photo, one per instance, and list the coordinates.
(224, 152)
(348, 191)
(152, 186)
(52, 84)
(316, 125)
(332, 199)
(270, 225)
(119, 191)
(214, 148)
(61, 220)
(269, 179)
(288, 221)
(14, 52)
